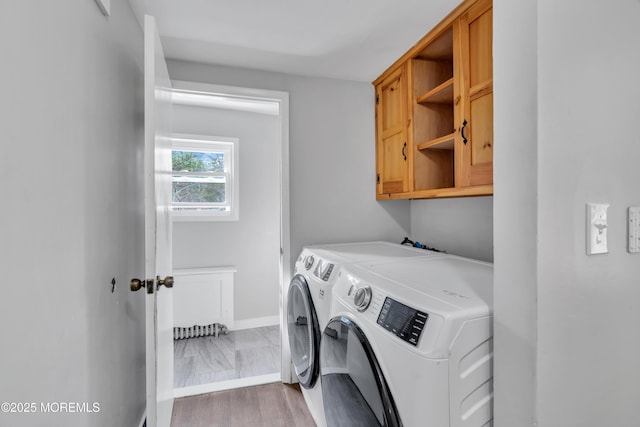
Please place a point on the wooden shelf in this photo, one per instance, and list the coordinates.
(478, 190)
(441, 94)
(442, 143)
(439, 49)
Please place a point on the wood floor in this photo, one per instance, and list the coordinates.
(270, 405)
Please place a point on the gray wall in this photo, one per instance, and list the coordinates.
(332, 155)
(71, 218)
(515, 216)
(459, 226)
(566, 323)
(588, 150)
(252, 243)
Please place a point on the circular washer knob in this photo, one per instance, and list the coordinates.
(308, 262)
(362, 298)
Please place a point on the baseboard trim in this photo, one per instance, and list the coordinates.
(226, 385)
(256, 322)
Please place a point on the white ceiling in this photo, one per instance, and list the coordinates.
(344, 39)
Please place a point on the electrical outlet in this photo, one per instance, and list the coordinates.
(634, 230)
(597, 228)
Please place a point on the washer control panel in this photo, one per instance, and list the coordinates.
(323, 270)
(405, 322)
(308, 262)
(362, 298)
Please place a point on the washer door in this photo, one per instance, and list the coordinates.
(304, 332)
(354, 390)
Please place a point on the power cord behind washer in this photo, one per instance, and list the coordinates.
(419, 245)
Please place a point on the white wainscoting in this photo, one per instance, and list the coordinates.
(256, 322)
(203, 296)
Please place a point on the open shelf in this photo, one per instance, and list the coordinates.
(441, 94)
(440, 48)
(442, 143)
(432, 84)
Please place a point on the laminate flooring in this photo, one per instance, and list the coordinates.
(270, 405)
(239, 354)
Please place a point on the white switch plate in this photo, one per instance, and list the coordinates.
(634, 229)
(105, 6)
(597, 228)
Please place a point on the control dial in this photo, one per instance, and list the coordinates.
(308, 262)
(362, 298)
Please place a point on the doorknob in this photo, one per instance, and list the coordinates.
(167, 281)
(137, 284)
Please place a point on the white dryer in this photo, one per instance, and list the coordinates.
(409, 343)
(309, 304)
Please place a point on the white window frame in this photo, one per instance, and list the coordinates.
(203, 143)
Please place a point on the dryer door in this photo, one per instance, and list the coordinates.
(304, 332)
(354, 390)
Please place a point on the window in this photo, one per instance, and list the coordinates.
(204, 184)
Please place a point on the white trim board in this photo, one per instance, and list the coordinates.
(226, 385)
(205, 270)
(256, 322)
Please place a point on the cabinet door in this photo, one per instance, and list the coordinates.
(392, 151)
(474, 151)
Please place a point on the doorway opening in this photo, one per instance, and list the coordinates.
(252, 246)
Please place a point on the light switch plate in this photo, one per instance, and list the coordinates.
(105, 6)
(597, 228)
(634, 229)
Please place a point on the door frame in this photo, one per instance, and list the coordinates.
(285, 268)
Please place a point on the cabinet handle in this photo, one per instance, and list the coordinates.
(403, 148)
(464, 138)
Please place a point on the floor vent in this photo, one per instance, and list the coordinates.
(213, 329)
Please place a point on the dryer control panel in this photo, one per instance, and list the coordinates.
(405, 322)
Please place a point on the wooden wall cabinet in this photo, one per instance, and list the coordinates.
(435, 139)
(391, 130)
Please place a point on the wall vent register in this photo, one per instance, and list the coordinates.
(405, 322)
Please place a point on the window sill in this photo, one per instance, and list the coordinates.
(204, 218)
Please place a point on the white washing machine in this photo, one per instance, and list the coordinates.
(309, 304)
(409, 343)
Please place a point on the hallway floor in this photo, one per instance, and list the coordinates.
(239, 354)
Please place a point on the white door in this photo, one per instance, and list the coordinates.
(158, 230)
